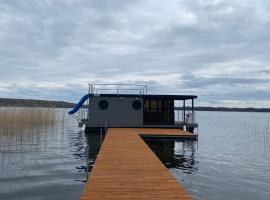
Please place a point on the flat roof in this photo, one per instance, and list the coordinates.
(150, 96)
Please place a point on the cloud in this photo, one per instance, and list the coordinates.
(215, 49)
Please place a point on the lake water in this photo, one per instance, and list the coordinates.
(231, 159)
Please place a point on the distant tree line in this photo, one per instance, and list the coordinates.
(7, 102)
(226, 109)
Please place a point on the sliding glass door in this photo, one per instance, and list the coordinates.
(158, 112)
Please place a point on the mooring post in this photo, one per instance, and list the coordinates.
(87, 161)
(100, 137)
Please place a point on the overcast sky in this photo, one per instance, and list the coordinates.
(218, 50)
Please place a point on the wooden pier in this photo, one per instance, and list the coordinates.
(126, 168)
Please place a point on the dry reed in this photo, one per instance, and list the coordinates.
(19, 119)
(22, 126)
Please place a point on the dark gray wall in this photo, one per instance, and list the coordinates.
(119, 113)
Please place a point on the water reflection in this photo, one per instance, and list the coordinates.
(94, 141)
(258, 133)
(176, 154)
(233, 157)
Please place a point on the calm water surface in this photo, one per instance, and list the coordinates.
(231, 159)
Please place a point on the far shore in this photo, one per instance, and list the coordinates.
(226, 109)
(9, 102)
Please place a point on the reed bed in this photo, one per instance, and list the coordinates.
(27, 125)
(26, 117)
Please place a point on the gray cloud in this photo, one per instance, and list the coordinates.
(215, 49)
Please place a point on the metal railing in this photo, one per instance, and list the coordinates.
(118, 88)
(188, 118)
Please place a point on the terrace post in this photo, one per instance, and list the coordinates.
(192, 106)
(192, 109)
(184, 110)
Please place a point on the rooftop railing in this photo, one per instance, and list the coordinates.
(118, 88)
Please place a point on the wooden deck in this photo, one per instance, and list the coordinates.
(126, 168)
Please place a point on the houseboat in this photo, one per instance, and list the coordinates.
(130, 106)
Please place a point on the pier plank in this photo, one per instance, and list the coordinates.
(126, 168)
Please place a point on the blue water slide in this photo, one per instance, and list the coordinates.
(79, 104)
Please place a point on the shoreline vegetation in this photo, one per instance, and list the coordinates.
(33, 117)
(8, 102)
(24, 127)
(20, 120)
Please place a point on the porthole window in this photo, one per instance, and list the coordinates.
(136, 105)
(103, 104)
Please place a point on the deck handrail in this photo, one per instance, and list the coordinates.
(140, 88)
